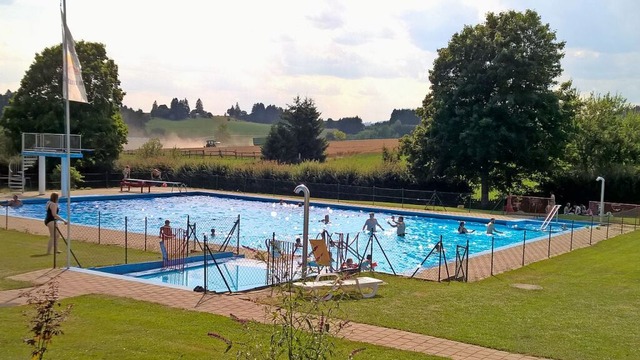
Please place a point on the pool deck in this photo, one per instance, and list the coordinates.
(74, 283)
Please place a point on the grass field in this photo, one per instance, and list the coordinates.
(102, 327)
(588, 308)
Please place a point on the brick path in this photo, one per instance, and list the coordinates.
(79, 282)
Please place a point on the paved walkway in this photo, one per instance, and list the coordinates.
(75, 283)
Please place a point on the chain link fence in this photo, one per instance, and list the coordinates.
(268, 260)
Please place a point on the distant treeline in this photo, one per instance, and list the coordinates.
(400, 123)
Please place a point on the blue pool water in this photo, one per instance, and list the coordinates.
(261, 218)
(240, 275)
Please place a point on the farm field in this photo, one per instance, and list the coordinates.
(335, 149)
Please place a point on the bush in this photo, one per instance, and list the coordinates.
(77, 179)
(152, 148)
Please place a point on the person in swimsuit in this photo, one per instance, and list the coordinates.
(399, 225)
(463, 229)
(371, 223)
(50, 221)
(165, 231)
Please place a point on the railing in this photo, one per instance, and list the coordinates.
(550, 216)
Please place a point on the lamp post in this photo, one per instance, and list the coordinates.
(600, 178)
(305, 227)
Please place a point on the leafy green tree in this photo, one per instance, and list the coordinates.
(280, 145)
(607, 132)
(492, 115)
(297, 136)
(406, 116)
(199, 107)
(38, 105)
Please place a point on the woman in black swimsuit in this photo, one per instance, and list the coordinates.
(50, 220)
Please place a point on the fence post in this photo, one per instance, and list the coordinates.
(338, 192)
(549, 245)
(99, 226)
(238, 237)
(571, 240)
(6, 218)
(373, 199)
(492, 244)
(591, 232)
(466, 265)
(403, 198)
(622, 225)
(608, 225)
(439, 258)
(126, 240)
(524, 244)
(145, 233)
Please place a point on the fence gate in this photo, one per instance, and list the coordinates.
(174, 249)
(280, 261)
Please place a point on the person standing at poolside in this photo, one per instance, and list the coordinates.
(126, 173)
(371, 224)
(165, 231)
(50, 221)
(399, 225)
(491, 227)
(156, 174)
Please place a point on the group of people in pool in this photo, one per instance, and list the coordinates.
(491, 228)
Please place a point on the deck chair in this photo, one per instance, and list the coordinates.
(321, 255)
(324, 289)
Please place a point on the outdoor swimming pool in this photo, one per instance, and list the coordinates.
(239, 273)
(260, 218)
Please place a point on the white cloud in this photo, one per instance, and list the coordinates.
(354, 57)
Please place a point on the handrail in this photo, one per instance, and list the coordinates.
(547, 220)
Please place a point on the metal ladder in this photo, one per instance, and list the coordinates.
(16, 172)
(547, 220)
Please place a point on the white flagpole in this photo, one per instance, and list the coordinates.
(67, 158)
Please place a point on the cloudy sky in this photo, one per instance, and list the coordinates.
(352, 57)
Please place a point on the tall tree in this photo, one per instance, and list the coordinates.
(297, 136)
(492, 115)
(607, 133)
(199, 107)
(38, 105)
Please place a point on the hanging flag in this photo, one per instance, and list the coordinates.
(75, 87)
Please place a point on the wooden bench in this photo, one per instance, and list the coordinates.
(135, 183)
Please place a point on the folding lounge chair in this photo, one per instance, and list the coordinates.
(321, 255)
(324, 289)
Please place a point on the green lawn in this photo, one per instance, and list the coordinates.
(102, 327)
(23, 252)
(589, 307)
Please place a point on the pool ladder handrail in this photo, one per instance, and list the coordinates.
(550, 216)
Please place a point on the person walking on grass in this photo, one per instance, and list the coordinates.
(50, 221)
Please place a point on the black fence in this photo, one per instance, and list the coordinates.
(267, 261)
